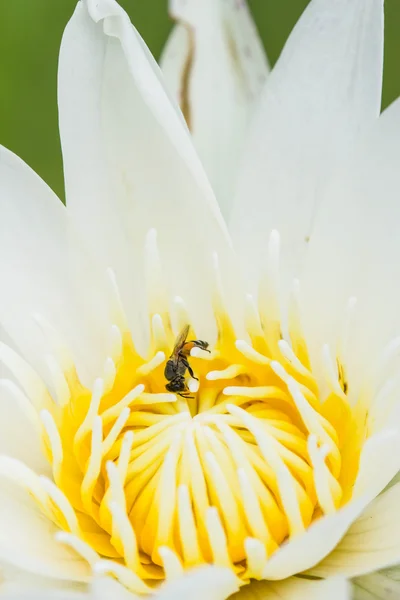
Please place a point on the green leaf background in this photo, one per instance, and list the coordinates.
(30, 34)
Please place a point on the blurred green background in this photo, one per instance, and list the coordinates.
(30, 34)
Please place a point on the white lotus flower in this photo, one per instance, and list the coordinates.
(276, 468)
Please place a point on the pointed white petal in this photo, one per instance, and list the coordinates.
(308, 549)
(129, 161)
(323, 91)
(18, 592)
(296, 589)
(27, 539)
(20, 428)
(372, 542)
(384, 585)
(17, 584)
(206, 582)
(104, 588)
(355, 250)
(43, 269)
(213, 583)
(215, 66)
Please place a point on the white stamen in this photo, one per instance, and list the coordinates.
(23, 402)
(124, 455)
(54, 338)
(159, 333)
(17, 472)
(171, 563)
(295, 328)
(167, 487)
(249, 352)
(113, 412)
(29, 380)
(146, 399)
(116, 344)
(252, 508)
(187, 528)
(127, 577)
(62, 503)
(155, 362)
(54, 439)
(116, 485)
(123, 528)
(60, 384)
(288, 353)
(322, 475)
(256, 557)
(217, 539)
(77, 544)
(115, 430)
(224, 493)
(94, 465)
(182, 315)
(252, 317)
(193, 385)
(219, 303)
(97, 394)
(309, 416)
(118, 308)
(285, 480)
(110, 373)
(331, 373)
(255, 392)
(229, 373)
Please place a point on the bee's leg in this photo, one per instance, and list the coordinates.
(189, 368)
(184, 395)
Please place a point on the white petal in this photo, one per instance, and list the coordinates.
(384, 585)
(104, 588)
(20, 429)
(295, 589)
(372, 542)
(129, 162)
(20, 585)
(355, 252)
(324, 90)
(27, 539)
(308, 549)
(44, 270)
(205, 582)
(212, 583)
(18, 592)
(215, 66)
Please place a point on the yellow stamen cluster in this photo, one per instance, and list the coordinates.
(148, 484)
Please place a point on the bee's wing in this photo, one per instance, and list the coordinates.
(181, 339)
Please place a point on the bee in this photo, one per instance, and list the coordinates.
(178, 363)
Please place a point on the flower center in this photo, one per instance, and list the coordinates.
(223, 477)
(148, 483)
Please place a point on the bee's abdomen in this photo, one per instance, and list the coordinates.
(170, 370)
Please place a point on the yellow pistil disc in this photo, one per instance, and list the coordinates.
(148, 483)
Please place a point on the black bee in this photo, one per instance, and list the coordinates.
(178, 363)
